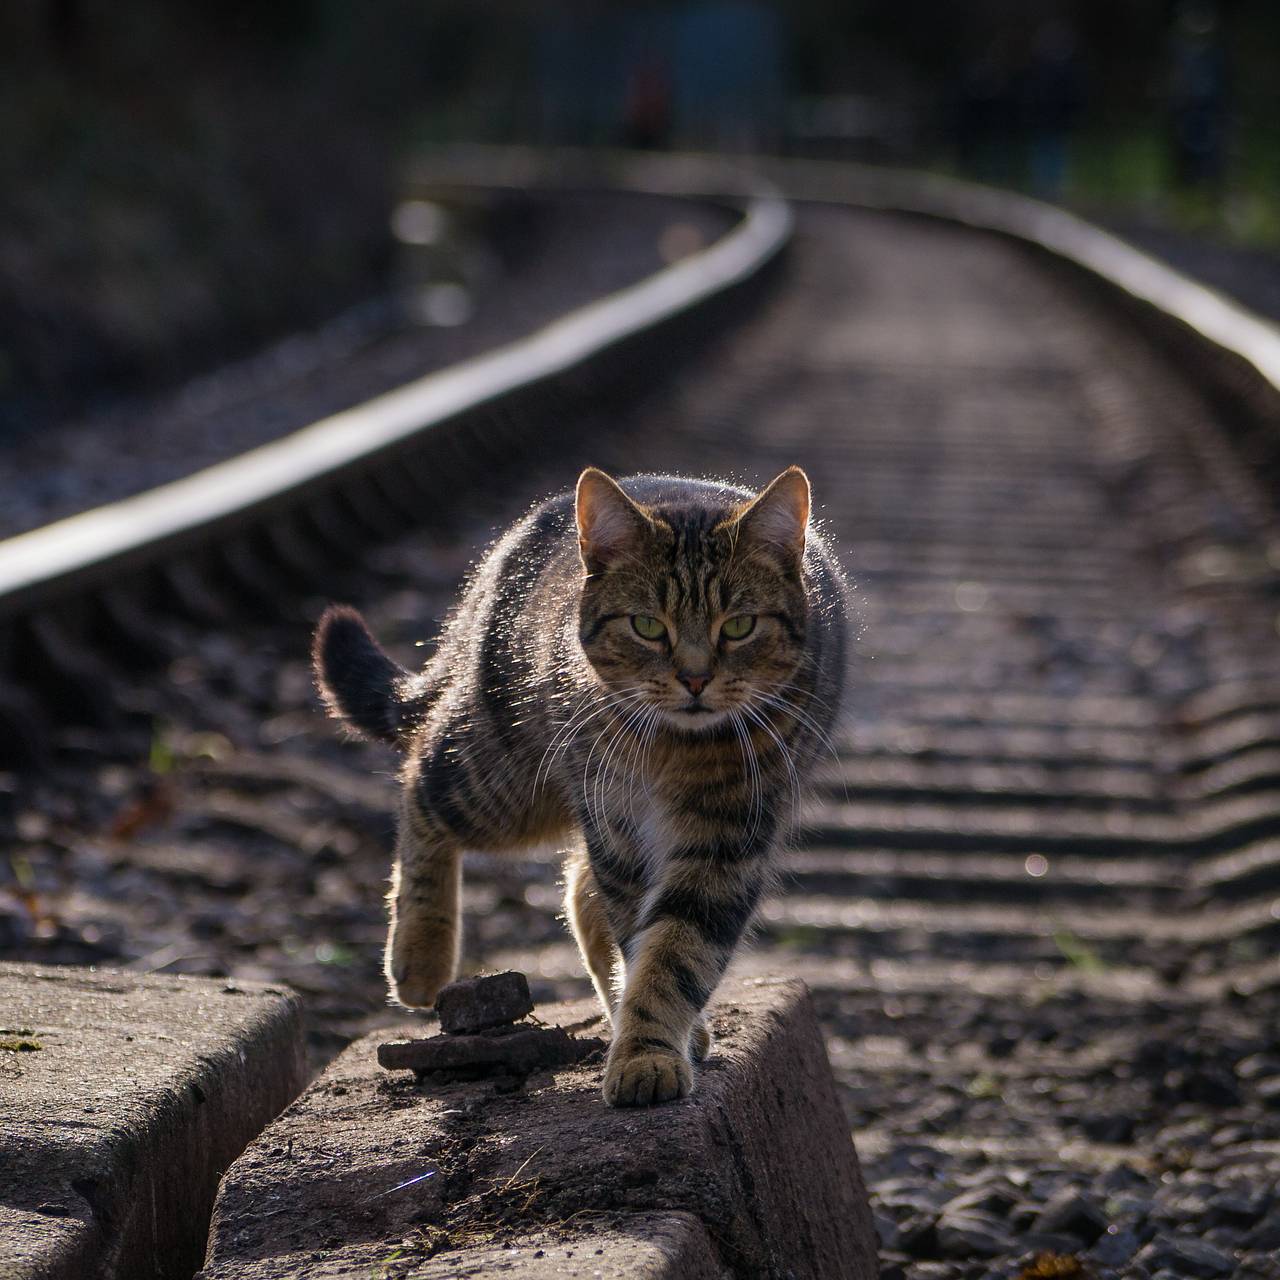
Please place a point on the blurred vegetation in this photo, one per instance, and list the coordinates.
(903, 82)
(1122, 141)
(182, 180)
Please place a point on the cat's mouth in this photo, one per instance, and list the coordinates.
(695, 715)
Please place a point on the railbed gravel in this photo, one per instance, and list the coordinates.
(1021, 490)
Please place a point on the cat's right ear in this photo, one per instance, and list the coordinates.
(610, 525)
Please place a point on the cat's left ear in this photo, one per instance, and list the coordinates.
(779, 516)
(610, 526)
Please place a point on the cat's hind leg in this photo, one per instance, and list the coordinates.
(585, 910)
(426, 884)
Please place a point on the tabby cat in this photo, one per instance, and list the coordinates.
(644, 671)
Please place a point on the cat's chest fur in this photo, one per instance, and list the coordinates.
(677, 791)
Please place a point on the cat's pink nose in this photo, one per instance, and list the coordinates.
(695, 684)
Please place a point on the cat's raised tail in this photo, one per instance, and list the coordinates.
(359, 683)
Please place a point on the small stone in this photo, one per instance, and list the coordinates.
(1193, 1134)
(934, 1271)
(972, 1235)
(475, 1004)
(1053, 1242)
(1116, 1129)
(1001, 1046)
(1114, 1247)
(1186, 1256)
(1266, 1235)
(1178, 1204)
(1121, 1177)
(926, 1196)
(940, 1116)
(1044, 1186)
(1023, 1214)
(519, 1052)
(994, 1199)
(1258, 1066)
(1211, 1085)
(917, 1236)
(1131, 1206)
(1268, 1091)
(886, 1230)
(1230, 1134)
(1224, 1237)
(905, 1160)
(1072, 1212)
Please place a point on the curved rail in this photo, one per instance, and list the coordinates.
(70, 554)
(35, 567)
(274, 506)
(1234, 352)
(1216, 318)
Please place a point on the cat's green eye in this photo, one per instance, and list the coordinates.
(739, 627)
(649, 628)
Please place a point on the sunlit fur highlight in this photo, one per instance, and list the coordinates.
(544, 716)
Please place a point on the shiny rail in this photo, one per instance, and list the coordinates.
(67, 554)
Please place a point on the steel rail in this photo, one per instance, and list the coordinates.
(1218, 319)
(80, 551)
(34, 566)
(1235, 351)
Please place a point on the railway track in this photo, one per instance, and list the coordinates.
(1036, 894)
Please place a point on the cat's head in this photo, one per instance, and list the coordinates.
(695, 607)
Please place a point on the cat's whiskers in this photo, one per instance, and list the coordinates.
(763, 721)
(601, 694)
(596, 796)
(600, 785)
(751, 766)
(640, 751)
(775, 694)
(579, 718)
(802, 717)
(812, 696)
(634, 754)
(809, 694)
(616, 703)
(560, 738)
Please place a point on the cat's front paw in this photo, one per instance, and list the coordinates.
(645, 1077)
(415, 991)
(415, 974)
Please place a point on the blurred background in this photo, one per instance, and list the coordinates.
(184, 180)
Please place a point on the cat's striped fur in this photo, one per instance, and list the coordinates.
(669, 766)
